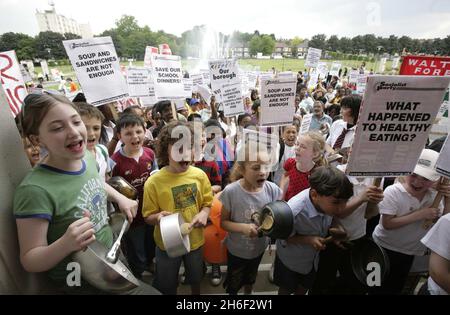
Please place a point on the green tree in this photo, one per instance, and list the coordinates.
(294, 43)
(267, 45)
(332, 43)
(23, 44)
(318, 41)
(254, 46)
(49, 46)
(69, 36)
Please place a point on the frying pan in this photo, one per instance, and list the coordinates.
(363, 253)
(275, 220)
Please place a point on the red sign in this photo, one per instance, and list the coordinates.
(424, 65)
(164, 49)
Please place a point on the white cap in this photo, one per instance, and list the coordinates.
(426, 165)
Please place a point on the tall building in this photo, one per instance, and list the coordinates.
(49, 20)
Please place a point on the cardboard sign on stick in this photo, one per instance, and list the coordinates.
(394, 122)
(277, 101)
(12, 81)
(97, 68)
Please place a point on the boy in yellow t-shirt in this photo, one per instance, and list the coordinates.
(177, 187)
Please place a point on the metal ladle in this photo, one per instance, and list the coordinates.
(112, 255)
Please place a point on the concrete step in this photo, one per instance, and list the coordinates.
(262, 285)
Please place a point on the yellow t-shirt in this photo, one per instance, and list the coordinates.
(166, 191)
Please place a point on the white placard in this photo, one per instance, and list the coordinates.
(306, 124)
(12, 81)
(252, 78)
(44, 67)
(313, 57)
(188, 87)
(335, 67)
(232, 100)
(322, 69)
(168, 77)
(149, 101)
(286, 74)
(361, 83)
(140, 82)
(353, 76)
(313, 79)
(382, 65)
(149, 50)
(25, 74)
(205, 93)
(97, 68)
(197, 79)
(395, 62)
(394, 123)
(443, 162)
(206, 76)
(277, 101)
(223, 71)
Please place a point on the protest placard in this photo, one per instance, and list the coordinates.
(322, 69)
(206, 76)
(25, 74)
(425, 65)
(149, 50)
(361, 83)
(221, 72)
(443, 162)
(12, 80)
(97, 68)
(168, 77)
(188, 87)
(277, 101)
(197, 79)
(232, 99)
(140, 83)
(335, 67)
(205, 92)
(44, 67)
(313, 79)
(353, 76)
(394, 123)
(313, 57)
(306, 124)
(286, 74)
(382, 65)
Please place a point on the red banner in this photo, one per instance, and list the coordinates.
(425, 65)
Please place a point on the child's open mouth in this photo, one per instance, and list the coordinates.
(136, 143)
(184, 164)
(260, 182)
(76, 147)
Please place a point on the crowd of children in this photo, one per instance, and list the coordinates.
(75, 148)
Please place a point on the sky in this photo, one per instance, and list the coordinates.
(285, 18)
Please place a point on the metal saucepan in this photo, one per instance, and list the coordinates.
(106, 276)
(275, 220)
(365, 252)
(176, 242)
(124, 187)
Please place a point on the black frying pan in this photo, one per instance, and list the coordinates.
(281, 221)
(365, 252)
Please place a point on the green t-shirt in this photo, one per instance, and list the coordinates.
(60, 197)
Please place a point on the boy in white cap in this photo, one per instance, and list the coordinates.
(405, 208)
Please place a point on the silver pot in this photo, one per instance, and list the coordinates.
(175, 243)
(100, 273)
